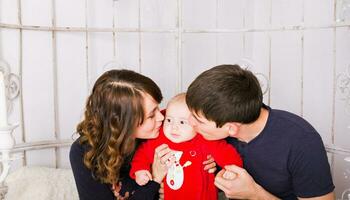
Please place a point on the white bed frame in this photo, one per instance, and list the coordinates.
(8, 155)
(10, 90)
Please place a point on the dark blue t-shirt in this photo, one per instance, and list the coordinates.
(287, 158)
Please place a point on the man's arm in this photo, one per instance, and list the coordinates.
(329, 196)
(244, 187)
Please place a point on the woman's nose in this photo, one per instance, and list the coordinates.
(159, 116)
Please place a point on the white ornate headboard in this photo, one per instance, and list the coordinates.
(7, 142)
(9, 90)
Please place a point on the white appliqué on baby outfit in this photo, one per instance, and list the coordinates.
(175, 176)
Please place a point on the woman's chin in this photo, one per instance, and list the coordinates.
(155, 135)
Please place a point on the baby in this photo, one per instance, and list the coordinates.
(186, 178)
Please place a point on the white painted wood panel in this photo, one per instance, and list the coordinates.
(318, 81)
(42, 157)
(231, 14)
(158, 58)
(100, 52)
(127, 14)
(342, 95)
(249, 13)
(71, 82)
(318, 12)
(127, 50)
(262, 13)
(286, 71)
(100, 14)
(199, 14)
(37, 82)
(63, 158)
(8, 12)
(257, 50)
(158, 13)
(70, 13)
(286, 12)
(36, 12)
(199, 54)
(230, 48)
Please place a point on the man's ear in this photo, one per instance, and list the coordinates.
(233, 128)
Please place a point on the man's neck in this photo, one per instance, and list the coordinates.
(247, 132)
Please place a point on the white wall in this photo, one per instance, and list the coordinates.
(301, 46)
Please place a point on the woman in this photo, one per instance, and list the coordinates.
(121, 110)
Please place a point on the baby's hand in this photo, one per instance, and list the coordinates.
(229, 175)
(142, 177)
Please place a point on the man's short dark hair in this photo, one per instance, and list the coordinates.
(226, 93)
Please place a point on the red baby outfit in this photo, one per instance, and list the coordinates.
(187, 181)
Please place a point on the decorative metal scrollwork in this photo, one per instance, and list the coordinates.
(343, 10)
(264, 82)
(346, 195)
(12, 84)
(263, 79)
(343, 84)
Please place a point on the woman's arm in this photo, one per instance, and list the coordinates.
(88, 187)
(147, 192)
(127, 189)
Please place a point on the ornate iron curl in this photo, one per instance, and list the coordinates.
(12, 84)
(343, 85)
(262, 78)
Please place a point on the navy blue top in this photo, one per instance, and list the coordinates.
(92, 189)
(288, 158)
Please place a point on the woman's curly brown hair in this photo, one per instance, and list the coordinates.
(113, 111)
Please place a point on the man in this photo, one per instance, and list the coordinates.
(283, 155)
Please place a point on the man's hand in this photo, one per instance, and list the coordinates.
(229, 175)
(241, 185)
(210, 164)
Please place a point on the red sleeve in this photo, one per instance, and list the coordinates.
(224, 153)
(142, 159)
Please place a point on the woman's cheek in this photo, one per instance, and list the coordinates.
(150, 125)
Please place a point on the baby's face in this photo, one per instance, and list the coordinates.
(176, 125)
